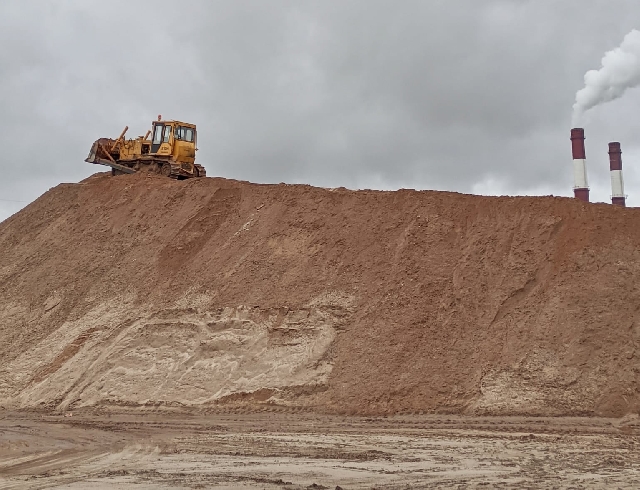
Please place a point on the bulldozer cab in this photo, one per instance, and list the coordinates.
(174, 138)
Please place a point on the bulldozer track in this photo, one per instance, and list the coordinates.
(155, 165)
(164, 167)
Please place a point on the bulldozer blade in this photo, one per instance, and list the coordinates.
(117, 166)
(98, 153)
(92, 153)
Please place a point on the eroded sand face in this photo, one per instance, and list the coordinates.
(298, 450)
(177, 356)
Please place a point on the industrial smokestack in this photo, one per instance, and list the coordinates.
(581, 187)
(617, 184)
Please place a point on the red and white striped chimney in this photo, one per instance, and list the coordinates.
(617, 184)
(581, 187)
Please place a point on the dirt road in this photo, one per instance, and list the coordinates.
(302, 450)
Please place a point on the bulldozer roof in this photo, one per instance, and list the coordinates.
(172, 121)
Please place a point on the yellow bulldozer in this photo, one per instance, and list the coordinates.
(171, 151)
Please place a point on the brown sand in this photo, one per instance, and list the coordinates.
(306, 451)
(143, 291)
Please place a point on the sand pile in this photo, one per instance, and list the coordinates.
(140, 290)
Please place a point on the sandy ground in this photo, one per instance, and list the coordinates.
(141, 290)
(302, 450)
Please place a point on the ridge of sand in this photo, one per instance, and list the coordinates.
(139, 290)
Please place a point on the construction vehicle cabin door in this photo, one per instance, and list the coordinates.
(156, 142)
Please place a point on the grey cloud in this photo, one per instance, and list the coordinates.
(458, 95)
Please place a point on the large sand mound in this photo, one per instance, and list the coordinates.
(140, 290)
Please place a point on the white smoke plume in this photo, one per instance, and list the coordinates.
(620, 71)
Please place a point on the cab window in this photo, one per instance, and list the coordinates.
(167, 134)
(157, 134)
(184, 134)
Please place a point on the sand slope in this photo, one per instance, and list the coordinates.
(140, 290)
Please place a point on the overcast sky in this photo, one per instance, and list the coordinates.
(463, 95)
